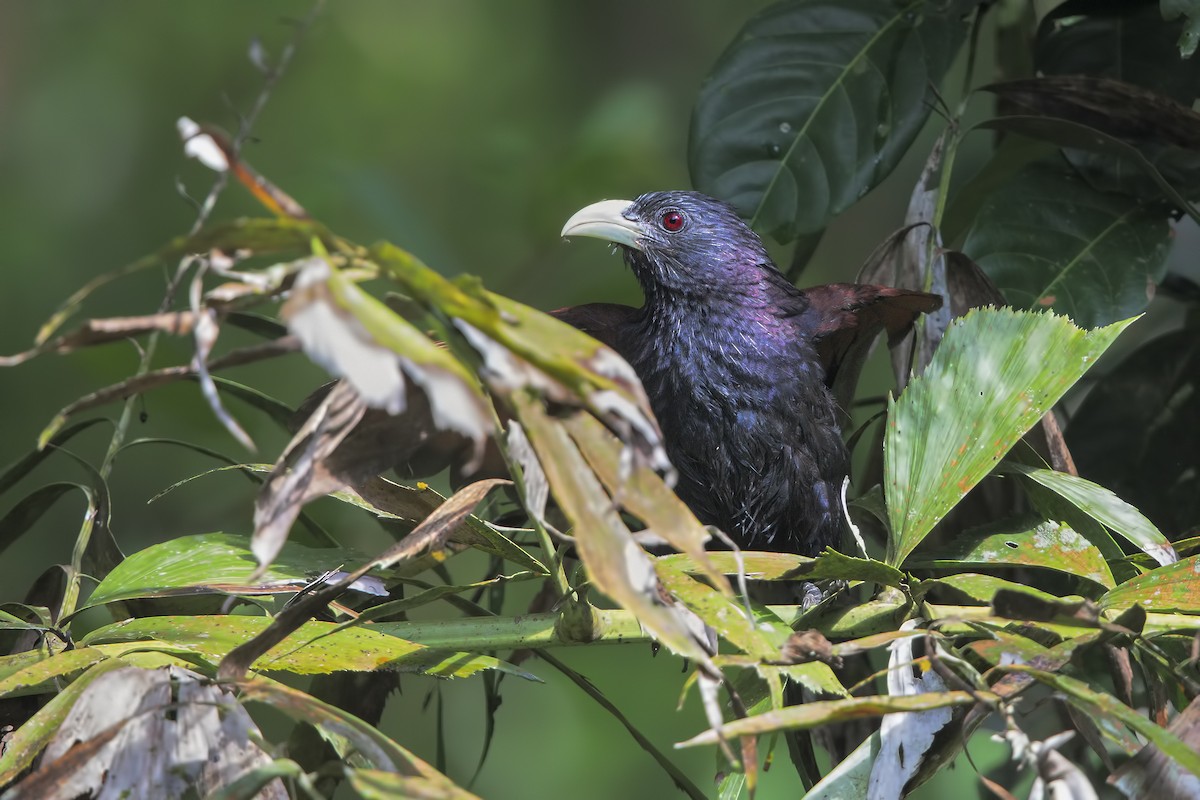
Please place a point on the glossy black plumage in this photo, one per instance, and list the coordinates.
(739, 364)
(747, 375)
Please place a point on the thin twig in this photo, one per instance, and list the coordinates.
(246, 124)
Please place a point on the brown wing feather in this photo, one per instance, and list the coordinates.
(603, 321)
(848, 319)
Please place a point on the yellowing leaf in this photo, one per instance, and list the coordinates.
(359, 338)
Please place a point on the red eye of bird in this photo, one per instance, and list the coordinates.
(672, 221)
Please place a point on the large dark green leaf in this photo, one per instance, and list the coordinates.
(1048, 240)
(14, 472)
(1169, 171)
(1136, 431)
(1128, 41)
(815, 102)
(30, 508)
(1123, 39)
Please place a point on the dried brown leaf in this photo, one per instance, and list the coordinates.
(428, 536)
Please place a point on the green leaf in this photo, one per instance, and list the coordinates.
(1103, 506)
(816, 676)
(1189, 37)
(815, 102)
(1175, 587)
(1027, 541)
(30, 508)
(1052, 506)
(975, 588)
(757, 565)
(485, 631)
(279, 412)
(375, 784)
(497, 328)
(96, 552)
(1172, 167)
(851, 777)
(9, 622)
(726, 616)
(839, 621)
(217, 563)
(1013, 154)
(14, 472)
(643, 493)
(34, 678)
(616, 564)
(832, 565)
(1048, 240)
(317, 648)
(12, 664)
(996, 373)
(1005, 647)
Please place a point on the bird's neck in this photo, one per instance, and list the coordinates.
(752, 304)
(686, 341)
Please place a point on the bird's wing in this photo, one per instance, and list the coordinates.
(844, 319)
(603, 321)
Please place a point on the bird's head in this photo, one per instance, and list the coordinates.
(677, 242)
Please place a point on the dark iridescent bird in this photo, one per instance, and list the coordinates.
(740, 366)
(747, 375)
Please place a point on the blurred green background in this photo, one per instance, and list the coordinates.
(464, 131)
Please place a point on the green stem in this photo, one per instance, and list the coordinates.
(617, 626)
(527, 631)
